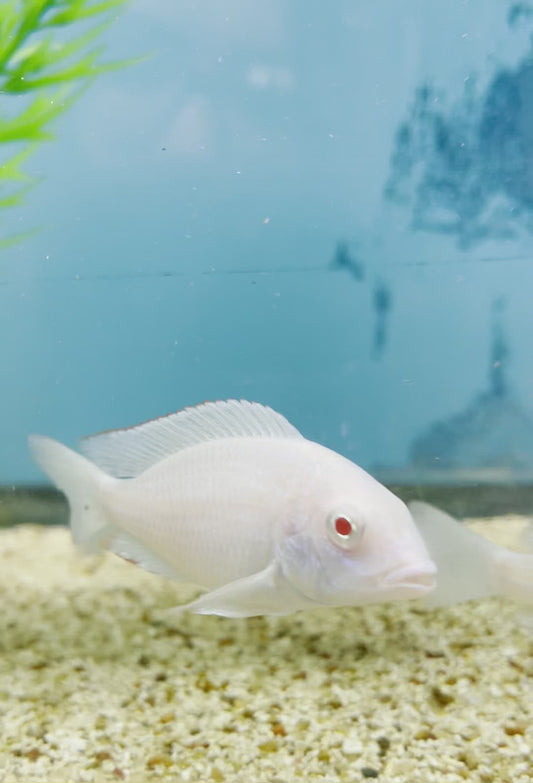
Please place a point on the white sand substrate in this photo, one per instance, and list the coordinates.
(99, 683)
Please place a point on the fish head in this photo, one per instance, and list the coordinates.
(351, 541)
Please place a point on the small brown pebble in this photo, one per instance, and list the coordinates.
(117, 772)
(159, 760)
(100, 722)
(33, 754)
(225, 641)
(160, 677)
(451, 681)
(384, 745)
(469, 759)
(278, 729)
(204, 683)
(270, 746)
(425, 734)
(462, 645)
(102, 755)
(143, 660)
(518, 727)
(443, 698)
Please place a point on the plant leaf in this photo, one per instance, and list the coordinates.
(29, 125)
(16, 197)
(46, 73)
(84, 69)
(14, 239)
(79, 9)
(11, 168)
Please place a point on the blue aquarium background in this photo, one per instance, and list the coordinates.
(327, 208)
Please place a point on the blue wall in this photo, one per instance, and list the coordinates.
(192, 205)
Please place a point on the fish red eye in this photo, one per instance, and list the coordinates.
(344, 530)
(343, 526)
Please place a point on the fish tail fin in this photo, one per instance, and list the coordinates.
(514, 574)
(82, 483)
(526, 538)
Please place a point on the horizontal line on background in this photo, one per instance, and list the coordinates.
(105, 277)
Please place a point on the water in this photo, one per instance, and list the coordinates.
(324, 208)
(193, 205)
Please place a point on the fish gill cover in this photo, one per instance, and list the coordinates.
(47, 57)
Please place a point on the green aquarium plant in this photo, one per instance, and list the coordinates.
(48, 55)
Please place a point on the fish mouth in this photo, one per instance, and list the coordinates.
(416, 578)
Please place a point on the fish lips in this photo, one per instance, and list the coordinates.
(401, 583)
(416, 580)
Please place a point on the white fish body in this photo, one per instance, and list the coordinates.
(231, 497)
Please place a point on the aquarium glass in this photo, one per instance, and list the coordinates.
(327, 208)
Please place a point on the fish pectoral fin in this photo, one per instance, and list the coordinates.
(266, 592)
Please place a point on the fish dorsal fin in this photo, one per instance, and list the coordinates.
(127, 453)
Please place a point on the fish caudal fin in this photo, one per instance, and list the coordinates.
(470, 566)
(82, 482)
(514, 573)
(464, 559)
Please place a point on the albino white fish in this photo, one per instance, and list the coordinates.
(231, 497)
